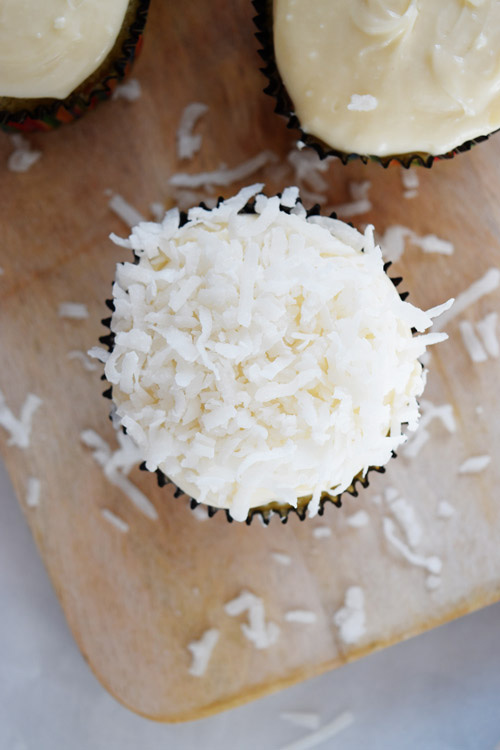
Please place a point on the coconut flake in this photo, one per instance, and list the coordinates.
(304, 719)
(200, 513)
(405, 515)
(303, 616)
(322, 532)
(130, 90)
(281, 558)
(358, 520)
(343, 721)
(187, 143)
(471, 342)
(19, 429)
(117, 465)
(351, 618)
(480, 288)
(433, 564)
(223, 176)
(202, 651)
(409, 178)
(23, 157)
(362, 103)
(73, 310)
(261, 633)
(115, 520)
(474, 464)
(444, 413)
(88, 365)
(360, 203)
(124, 210)
(432, 244)
(445, 510)
(487, 330)
(33, 489)
(102, 355)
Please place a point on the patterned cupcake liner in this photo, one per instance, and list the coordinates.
(27, 116)
(284, 106)
(264, 512)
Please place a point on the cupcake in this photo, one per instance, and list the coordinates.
(260, 356)
(59, 59)
(395, 79)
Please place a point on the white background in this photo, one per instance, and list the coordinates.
(440, 691)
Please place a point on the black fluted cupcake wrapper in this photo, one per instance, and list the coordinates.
(265, 512)
(284, 106)
(39, 115)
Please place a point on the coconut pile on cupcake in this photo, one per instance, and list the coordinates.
(397, 78)
(262, 355)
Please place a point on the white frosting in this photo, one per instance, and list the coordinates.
(49, 47)
(262, 357)
(391, 76)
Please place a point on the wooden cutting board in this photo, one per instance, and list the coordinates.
(135, 601)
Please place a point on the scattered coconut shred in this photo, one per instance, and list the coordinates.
(33, 490)
(73, 310)
(261, 633)
(130, 90)
(351, 619)
(187, 143)
(202, 651)
(19, 429)
(234, 332)
(341, 722)
(24, 156)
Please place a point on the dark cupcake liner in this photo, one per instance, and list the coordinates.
(265, 512)
(284, 106)
(30, 115)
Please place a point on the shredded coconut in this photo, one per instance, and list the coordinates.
(322, 532)
(480, 288)
(326, 732)
(23, 157)
(409, 178)
(281, 558)
(242, 348)
(308, 170)
(115, 520)
(73, 310)
(261, 633)
(223, 176)
(351, 618)
(200, 513)
(393, 243)
(405, 515)
(359, 519)
(202, 651)
(33, 489)
(304, 719)
(410, 194)
(471, 342)
(19, 429)
(158, 210)
(127, 213)
(360, 203)
(487, 330)
(430, 412)
(130, 90)
(362, 103)
(83, 358)
(187, 143)
(117, 465)
(433, 582)
(474, 464)
(303, 616)
(433, 564)
(445, 510)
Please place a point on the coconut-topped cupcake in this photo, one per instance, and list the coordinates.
(392, 77)
(52, 49)
(262, 355)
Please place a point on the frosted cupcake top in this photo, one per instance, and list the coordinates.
(262, 356)
(389, 77)
(49, 47)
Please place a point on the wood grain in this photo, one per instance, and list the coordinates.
(134, 601)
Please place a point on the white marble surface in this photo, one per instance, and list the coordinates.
(440, 691)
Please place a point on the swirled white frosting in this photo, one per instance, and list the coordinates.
(49, 47)
(389, 77)
(265, 356)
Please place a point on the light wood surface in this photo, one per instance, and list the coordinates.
(134, 601)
